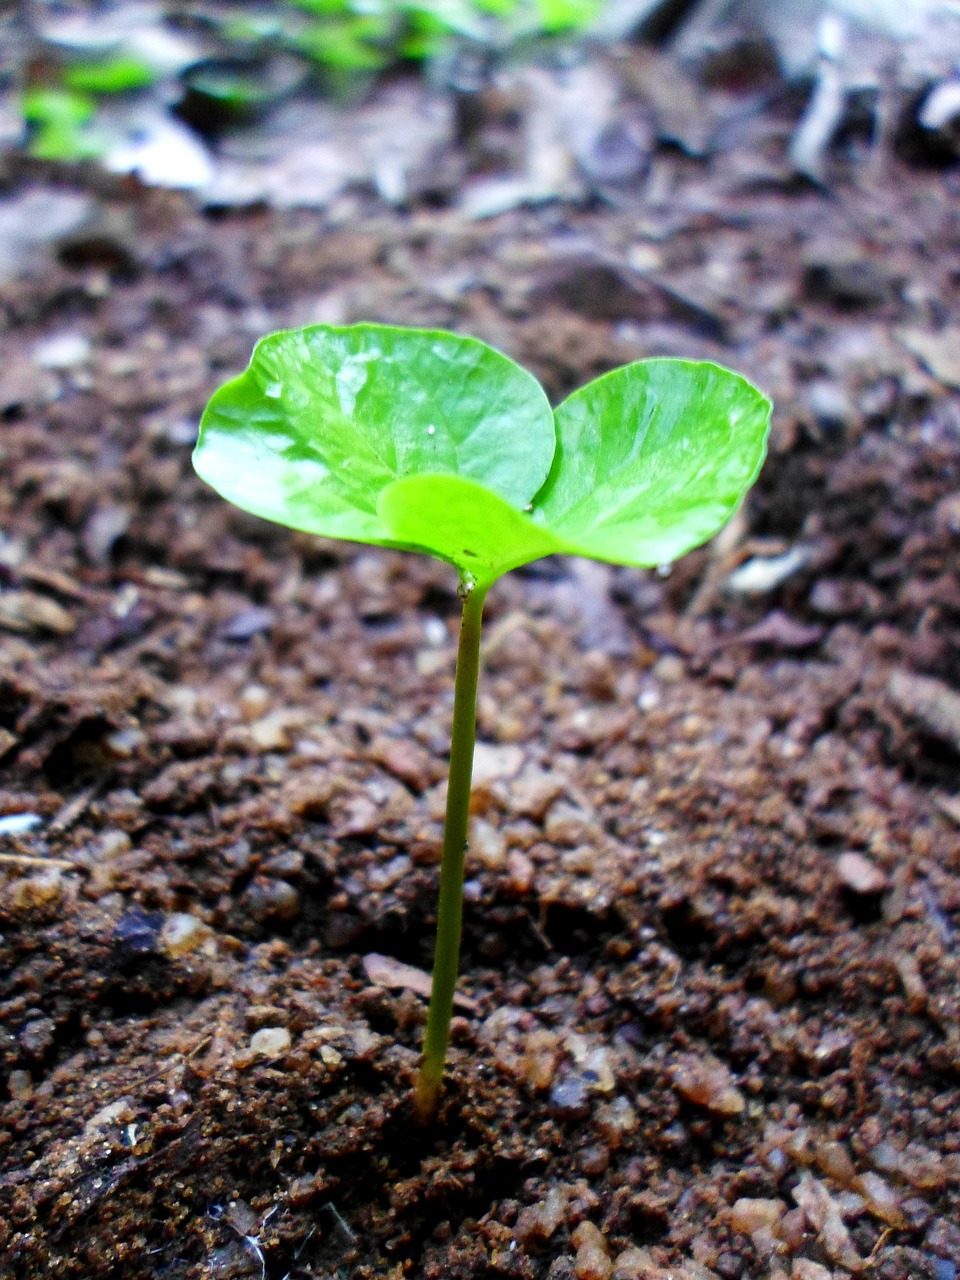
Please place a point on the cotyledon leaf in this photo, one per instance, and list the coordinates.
(652, 460)
(326, 418)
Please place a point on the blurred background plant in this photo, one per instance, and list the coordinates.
(218, 64)
(286, 102)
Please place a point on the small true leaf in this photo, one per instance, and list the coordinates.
(484, 535)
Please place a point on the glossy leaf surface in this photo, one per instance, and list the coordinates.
(485, 536)
(431, 442)
(653, 459)
(326, 419)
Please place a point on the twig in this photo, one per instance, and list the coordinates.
(30, 860)
(72, 810)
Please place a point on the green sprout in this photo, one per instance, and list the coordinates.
(62, 115)
(427, 441)
(59, 120)
(121, 73)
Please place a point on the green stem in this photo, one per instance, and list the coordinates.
(450, 910)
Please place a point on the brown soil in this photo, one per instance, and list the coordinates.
(711, 1016)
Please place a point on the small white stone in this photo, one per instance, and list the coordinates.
(765, 573)
(941, 106)
(18, 824)
(271, 732)
(329, 1056)
(753, 1214)
(860, 875)
(271, 1042)
(182, 934)
(435, 630)
(254, 702)
(62, 351)
(20, 1085)
(806, 1269)
(493, 763)
(487, 844)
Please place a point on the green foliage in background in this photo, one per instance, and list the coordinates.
(364, 36)
(59, 121)
(340, 45)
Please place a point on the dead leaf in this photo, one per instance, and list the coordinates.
(384, 971)
(938, 352)
(930, 701)
(779, 631)
(27, 611)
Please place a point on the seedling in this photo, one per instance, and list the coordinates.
(59, 120)
(427, 441)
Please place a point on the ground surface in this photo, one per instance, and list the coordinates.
(711, 1015)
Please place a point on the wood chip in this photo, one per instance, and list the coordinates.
(384, 971)
(26, 611)
(28, 860)
(707, 1082)
(938, 352)
(930, 701)
(73, 809)
(41, 575)
(860, 875)
(950, 805)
